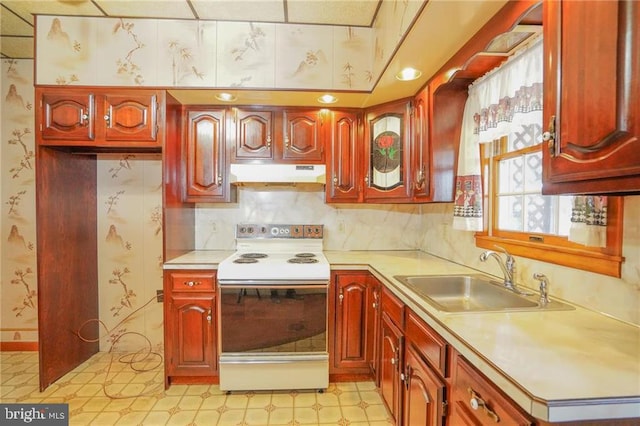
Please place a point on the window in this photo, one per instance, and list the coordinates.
(533, 225)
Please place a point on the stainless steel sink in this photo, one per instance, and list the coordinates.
(472, 293)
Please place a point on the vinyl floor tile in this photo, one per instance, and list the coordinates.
(106, 391)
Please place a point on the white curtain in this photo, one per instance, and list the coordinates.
(589, 220)
(510, 95)
(499, 103)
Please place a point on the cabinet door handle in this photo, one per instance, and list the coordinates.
(550, 136)
(191, 283)
(209, 316)
(420, 179)
(476, 402)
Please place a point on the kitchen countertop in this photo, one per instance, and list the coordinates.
(557, 365)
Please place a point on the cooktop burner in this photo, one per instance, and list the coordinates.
(253, 255)
(273, 253)
(305, 255)
(302, 260)
(245, 260)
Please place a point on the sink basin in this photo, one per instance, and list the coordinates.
(472, 293)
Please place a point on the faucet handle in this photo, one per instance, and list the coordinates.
(544, 287)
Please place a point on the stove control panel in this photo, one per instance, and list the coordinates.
(255, 231)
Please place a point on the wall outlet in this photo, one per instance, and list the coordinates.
(160, 296)
(214, 226)
(341, 227)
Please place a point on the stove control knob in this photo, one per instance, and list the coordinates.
(274, 231)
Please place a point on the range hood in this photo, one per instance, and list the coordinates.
(280, 174)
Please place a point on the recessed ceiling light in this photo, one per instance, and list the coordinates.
(408, 74)
(327, 99)
(226, 97)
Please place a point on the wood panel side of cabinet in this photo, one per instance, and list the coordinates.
(67, 262)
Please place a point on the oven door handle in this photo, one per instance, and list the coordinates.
(225, 283)
(272, 359)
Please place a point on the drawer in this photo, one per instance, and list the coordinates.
(429, 343)
(392, 306)
(193, 281)
(476, 400)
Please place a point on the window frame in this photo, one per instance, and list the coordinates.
(548, 247)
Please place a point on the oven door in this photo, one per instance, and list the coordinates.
(273, 335)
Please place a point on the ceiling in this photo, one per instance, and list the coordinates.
(438, 32)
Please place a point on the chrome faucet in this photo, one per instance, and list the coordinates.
(544, 288)
(508, 268)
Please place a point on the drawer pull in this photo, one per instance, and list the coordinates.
(476, 402)
(191, 283)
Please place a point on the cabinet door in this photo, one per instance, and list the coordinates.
(425, 392)
(387, 154)
(66, 116)
(344, 178)
(130, 117)
(254, 132)
(390, 364)
(205, 156)
(420, 158)
(192, 335)
(591, 92)
(354, 323)
(303, 139)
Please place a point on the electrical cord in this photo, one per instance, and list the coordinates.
(143, 355)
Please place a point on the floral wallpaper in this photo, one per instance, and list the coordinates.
(129, 230)
(206, 54)
(19, 287)
(130, 251)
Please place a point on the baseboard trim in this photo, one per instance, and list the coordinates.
(18, 346)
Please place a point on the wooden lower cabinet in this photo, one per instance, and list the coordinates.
(391, 342)
(352, 317)
(391, 349)
(190, 327)
(425, 392)
(475, 400)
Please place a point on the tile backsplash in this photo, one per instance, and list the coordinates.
(426, 227)
(347, 227)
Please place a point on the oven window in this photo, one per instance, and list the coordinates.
(273, 319)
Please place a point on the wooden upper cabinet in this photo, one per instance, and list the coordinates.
(204, 156)
(67, 116)
(254, 134)
(130, 117)
(386, 143)
(592, 87)
(303, 135)
(344, 177)
(98, 118)
(420, 158)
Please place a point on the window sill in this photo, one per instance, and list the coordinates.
(586, 260)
